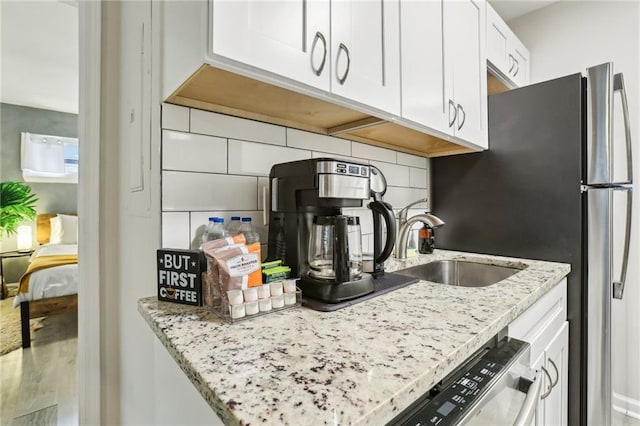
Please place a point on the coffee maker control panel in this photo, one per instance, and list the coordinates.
(343, 168)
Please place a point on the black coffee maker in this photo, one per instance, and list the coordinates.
(308, 230)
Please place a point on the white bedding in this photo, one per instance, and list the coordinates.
(51, 282)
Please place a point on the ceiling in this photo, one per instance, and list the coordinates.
(510, 9)
(39, 54)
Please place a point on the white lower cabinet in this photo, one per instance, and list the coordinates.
(553, 403)
(545, 327)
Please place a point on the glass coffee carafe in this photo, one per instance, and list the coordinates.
(335, 248)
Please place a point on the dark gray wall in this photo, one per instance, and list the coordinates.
(53, 197)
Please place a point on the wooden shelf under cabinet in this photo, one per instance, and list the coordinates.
(221, 91)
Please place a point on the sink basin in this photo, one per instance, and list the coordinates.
(460, 272)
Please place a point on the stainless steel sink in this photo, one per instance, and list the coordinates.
(460, 272)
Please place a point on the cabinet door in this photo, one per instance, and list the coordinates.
(557, 364)
(466, 60)
(365, 48)
(520, 58)
(288, 38)
(422, 59)
(497, 39)
(506, 53)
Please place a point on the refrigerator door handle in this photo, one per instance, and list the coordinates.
(618, 286)
(618, 86)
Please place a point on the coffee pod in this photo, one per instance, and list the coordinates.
(264, 291)
(251, 308)
(250, 294)
(237, 311)
(289, 286)
(289, 299)
(276, 288)
(235, 297)
(265, 305)
(277, 301)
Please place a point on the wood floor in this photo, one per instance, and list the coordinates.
(38, 384)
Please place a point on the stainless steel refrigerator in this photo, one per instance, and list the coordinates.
(548, 189)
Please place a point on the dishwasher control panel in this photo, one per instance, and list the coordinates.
(455, 396)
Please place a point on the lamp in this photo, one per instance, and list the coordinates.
(25, 238)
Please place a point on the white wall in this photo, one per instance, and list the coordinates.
(218, 165)
(566, 38)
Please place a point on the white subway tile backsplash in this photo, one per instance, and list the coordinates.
(399, 197)
(175, 230)
(372, 152)
(421, 208)
(395, 175)
(316, 142)
(210, 123)
(195, 183)
(418, 177)
(249, 158)
(175, 117)
(193, 152)
(412, 160)
(184, 191)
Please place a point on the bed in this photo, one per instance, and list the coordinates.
(50, 284)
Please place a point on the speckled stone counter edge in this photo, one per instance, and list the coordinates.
(536, 280)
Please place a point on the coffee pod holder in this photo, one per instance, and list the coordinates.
(244, 310)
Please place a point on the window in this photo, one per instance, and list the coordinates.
(47, 158)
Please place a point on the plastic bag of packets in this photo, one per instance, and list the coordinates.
(232, 284)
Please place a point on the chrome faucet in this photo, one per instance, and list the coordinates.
(428, 218)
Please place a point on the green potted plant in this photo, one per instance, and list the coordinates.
(17, 204)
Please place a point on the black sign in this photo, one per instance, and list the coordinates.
(179, 276)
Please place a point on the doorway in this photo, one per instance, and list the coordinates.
(39, 95)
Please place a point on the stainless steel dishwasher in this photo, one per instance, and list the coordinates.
(493, 387)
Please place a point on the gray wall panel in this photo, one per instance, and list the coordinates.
(53, 197)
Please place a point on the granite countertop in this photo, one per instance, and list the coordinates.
(362, 364)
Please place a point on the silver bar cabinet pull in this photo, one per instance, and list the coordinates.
(464, 116)
(341, 48)
(320, 37)
(455, 113)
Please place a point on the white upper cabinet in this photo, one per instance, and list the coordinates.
(350, 48)
(465, 69)
(372, 64)
(422, 64)
(443, 67)
(287, 38)
(365, 48)
(506, 54)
